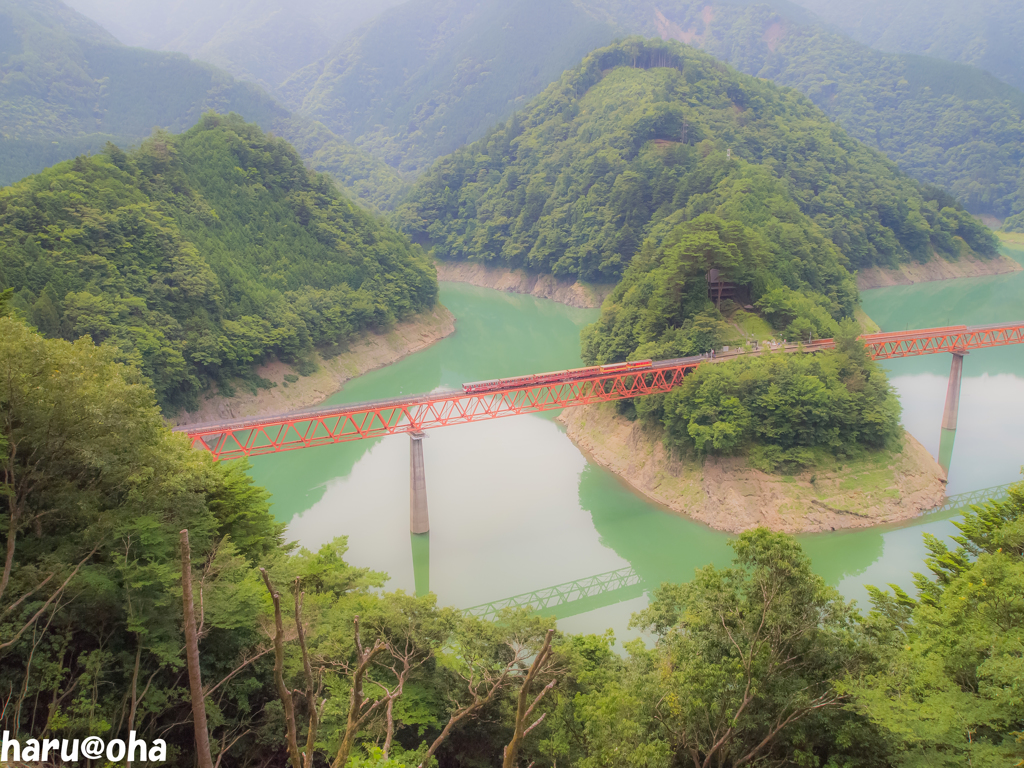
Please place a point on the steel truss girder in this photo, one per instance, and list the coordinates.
(560, 594)
(958, 339)
(287, 432)
(572, 591)
(348, 423)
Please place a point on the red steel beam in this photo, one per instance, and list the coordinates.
(358, 421)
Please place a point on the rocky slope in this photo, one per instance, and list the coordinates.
(571, 293)
(727, 494)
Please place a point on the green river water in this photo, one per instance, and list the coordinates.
(515, 506)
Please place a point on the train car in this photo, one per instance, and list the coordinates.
(550, 377)
(630, 366)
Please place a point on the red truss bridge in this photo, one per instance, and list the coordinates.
(533, 393)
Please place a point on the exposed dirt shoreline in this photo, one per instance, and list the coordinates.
(577, 294)
(727, 494)
(573, 294)
(936, 269)
(372, 350)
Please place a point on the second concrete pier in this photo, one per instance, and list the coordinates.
(419, 520)
(953, 391)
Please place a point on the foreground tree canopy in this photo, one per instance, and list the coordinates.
(306, 661)
(199, 255)
(642, 130)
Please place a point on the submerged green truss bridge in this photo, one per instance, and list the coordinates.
(575, 597)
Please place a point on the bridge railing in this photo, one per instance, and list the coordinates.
(338, 424)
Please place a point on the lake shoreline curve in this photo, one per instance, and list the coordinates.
(365, 353)
(727, 494)
(934, 270)
(544, 286)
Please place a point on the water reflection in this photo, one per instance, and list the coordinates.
(420, 543)
(515, 507)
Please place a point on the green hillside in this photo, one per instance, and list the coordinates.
(67, 88)
(984, 33)
(427, 77)
(644, 131)
(201, 254)
(264, 41)
(424, 78)
(943, 123)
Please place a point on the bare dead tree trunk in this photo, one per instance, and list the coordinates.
(524, 710)
(477, 703)
(454, 720)
(358, 711)
(311, 687)
(195, 682)
(134, 691)
(282, 689)
(12, 535)
(390, 716)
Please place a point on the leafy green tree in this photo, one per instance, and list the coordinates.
(778, 407)
(949, 686)
(486, 662)
(746, 670)
(97, 489)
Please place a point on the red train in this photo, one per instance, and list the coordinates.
(554, 376)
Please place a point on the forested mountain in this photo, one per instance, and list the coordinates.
(264, 41)
(67, 87)
(656, 163)
(200, 254)
(984, 33)
(945, 124)
(646, 132)
(428, 76)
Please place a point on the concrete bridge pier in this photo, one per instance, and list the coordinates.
(949, 414)
(419, 521)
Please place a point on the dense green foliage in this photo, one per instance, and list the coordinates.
(759, 663)
(946, 124)
(96, 489)
(67, 88)
(425, 78)
(744, 671)
(662, 309)
(949, 685)
(375, 184)
(201, 254)
(985, 33)
(783, 407)
(641, 131)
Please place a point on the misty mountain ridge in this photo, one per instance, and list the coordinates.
(422, 78)
(260, 40)
(67, 87)
(982, 33)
